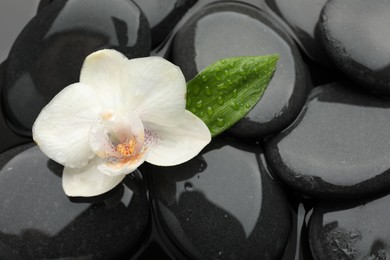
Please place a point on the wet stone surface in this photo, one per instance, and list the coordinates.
(350, 26)
(163, 16)
(223, 204)
(356, 230)
(339, 146)
(48, 54)
(303, 16)
(38, 221)
(231, 29)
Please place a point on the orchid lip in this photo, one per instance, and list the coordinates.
(118, 139)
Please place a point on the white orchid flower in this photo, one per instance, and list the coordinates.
(121, 113)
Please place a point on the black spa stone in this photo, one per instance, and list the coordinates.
(163, 16)
(223, 204)
(354, 34)
(356, 230)
(48, 54)
(338, 147)
(226, 29)
(303, 16)
(38, 221)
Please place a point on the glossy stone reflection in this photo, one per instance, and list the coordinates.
(48, 54)
(351, 230)
(303, 17)
(355, 38)
(8, 138)
(231, 29)
(163, 16)
(338, 147)
(38, 221)
(223, 204)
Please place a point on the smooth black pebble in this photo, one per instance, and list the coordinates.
(338, 147)
(224, 30)
(354, 34)
(48, 55)
(356, 230)
(222, 204)
(38, 221)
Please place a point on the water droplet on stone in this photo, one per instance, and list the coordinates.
(188, 186)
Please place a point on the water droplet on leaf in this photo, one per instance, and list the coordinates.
(196, 90)
(220, 122)
(220, 100)
(235, 93)
(210, 111)
(208, 91)
(189, 102)
(221, 86)
(235, 106)
(204, 79)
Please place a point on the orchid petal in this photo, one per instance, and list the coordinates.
(88, 181)
(102, 70)
(154, 89)
(61, 129)
(175, 145)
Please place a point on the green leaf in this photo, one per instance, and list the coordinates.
(227, 90)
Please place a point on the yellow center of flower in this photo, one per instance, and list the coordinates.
(127, 149)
